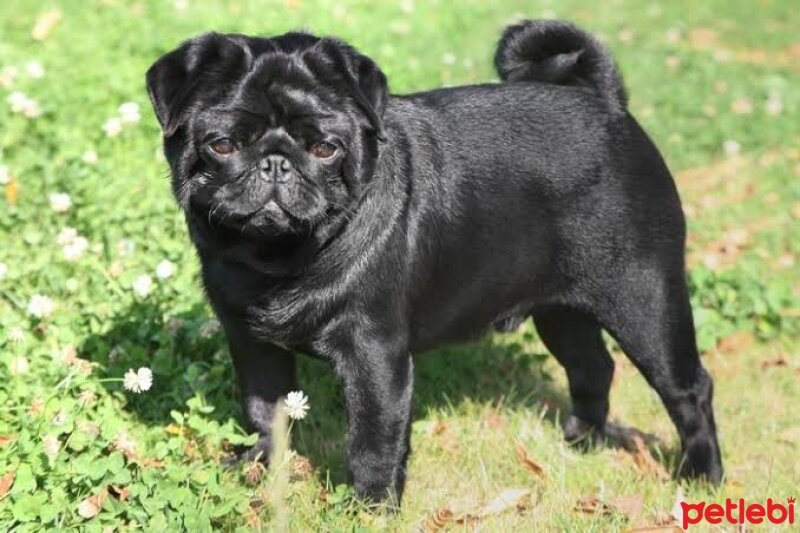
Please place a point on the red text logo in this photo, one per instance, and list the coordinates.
(738, 512)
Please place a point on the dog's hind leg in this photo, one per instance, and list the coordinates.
(648, 312)
(577, 343)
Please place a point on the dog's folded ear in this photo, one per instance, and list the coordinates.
(366, 82)
(174, 77)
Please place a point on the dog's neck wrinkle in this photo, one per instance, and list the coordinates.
(382, 202)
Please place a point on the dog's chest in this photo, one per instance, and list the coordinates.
(287, 312)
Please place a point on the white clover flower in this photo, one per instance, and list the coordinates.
(32, 109)
(129, 113)
(34, 69)
(165, 269)
(16, 335)
(673, 35)
(296, 405)
(51, 447)
(67, 356)
(774, 106)
(75, 249)
(731, 147)
(90, 157)
(138, 380)
(125, 443)
(449, 58)
(60, 202)
(18, 366)
(36, 406)
(209, 328)
(93, 430)
(20, 103)
(72, 285)
(112, 127)
(66, 236)
(5, 175)
(3, 270)
(142, 285)
(180, 5)
(17, 100)
(8, 75)
(41, 306)
(87, 398)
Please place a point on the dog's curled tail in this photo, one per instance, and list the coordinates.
(558, 52)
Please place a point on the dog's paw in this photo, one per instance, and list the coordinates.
(259, 452)
(581, 434)
(701, 461)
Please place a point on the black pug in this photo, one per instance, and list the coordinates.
(334, 219)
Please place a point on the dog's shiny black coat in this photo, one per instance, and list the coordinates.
(333, 219)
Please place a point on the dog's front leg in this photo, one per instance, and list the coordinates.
(378, 385)
(266, 374)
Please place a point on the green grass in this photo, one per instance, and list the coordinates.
(474, 403)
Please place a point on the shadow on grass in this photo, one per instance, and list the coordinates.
(189, 358)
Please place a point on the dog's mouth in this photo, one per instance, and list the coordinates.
(258, 213)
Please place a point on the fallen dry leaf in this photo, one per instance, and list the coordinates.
(436, 520)
(770, 363)
(790, 435)
(702, 38)
(494, 421)
(45, 24)
(175, 429)
(630, 506)
(742, 106)
(735, 342)
(527, 463)
(444, 438)
(6, 482)
(644, 460)
(592, 505)
(507, 499)
(465, 515)
(91, 506)
(253, 514)
(121, 493)
(148, 462)
(5, 440)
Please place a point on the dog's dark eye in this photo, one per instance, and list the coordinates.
(322, 150)
(222, 146)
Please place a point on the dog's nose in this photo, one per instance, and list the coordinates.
(277, 168)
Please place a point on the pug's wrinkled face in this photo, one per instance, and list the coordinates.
(271, 161)
(267, 138)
